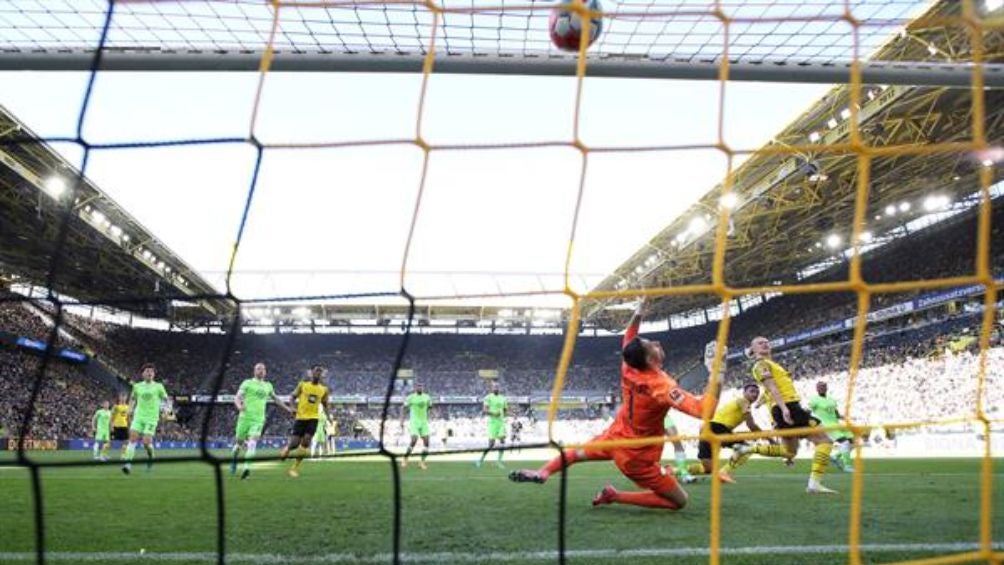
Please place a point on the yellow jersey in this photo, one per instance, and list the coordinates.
(309, 398)
(732, 413)
(765, 369)
(120, 416)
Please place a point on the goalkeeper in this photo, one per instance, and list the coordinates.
(648, 393)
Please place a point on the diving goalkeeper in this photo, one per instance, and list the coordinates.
(648, 393)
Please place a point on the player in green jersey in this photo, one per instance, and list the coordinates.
(251, 402)
(101, 427)
(680, 455)
(418, 404)
(145, 405)
(319, 443)
(495, 406)
(824, 408)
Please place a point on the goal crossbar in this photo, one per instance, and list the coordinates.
(874, 72)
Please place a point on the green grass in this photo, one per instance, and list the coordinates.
(347, 507)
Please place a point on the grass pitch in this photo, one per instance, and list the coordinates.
(341, 511)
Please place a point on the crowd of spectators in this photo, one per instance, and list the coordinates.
(903, 351)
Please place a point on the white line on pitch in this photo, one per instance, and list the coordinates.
(493, 557)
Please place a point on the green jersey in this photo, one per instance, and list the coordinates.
(148, 397)
(496, 405)
(102, 418)
(825, 409)
(256, 394)
(418, 407)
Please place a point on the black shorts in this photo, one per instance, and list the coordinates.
(120, 434)
(800, 418)
(704, 447)
(304, 428)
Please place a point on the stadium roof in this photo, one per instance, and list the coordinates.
(787, 206)
(107, 256)
(795, 211)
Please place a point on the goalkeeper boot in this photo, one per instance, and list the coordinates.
(245, 474)
(605, 496)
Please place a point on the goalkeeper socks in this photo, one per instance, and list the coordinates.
(95, 450)
(425, 453)
(558, 464)
(500, 451)
(648, 499)
(484, 454)
(249, 453)
(771, 450)
(820, 460)
(130, 451)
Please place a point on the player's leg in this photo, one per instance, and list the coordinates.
(679, 455)
(566, 459)
(251, 446)
(407, 453)
(820, 461)
(96, 448)
(105, 448)
(662, 490)
(491, 444)
(425, 450)
(844, 442)
(148, 446)
(499, 452)
(130, 451)
(240, 435)
(302, 450)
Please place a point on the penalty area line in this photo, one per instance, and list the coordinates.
(493, 557)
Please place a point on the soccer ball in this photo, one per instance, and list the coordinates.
(566, 26)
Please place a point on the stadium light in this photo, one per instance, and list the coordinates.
(935, 202)
(97, 216)
(146, 254)
(818, 245)
(833, 241)
(988, 163)
(697, 224)
(845, 113)
(878, 216)
(904, 206)
(729, 200)
(831, 123)
(932, 49)
(814, 137)
(116, 231)
(993, 5)
(871, 95)
(55, 186)
(866, 236)
(890, 210)
(125, 237)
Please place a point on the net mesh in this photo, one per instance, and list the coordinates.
(728, 31)
(759, 31)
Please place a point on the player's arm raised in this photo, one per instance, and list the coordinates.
(634, 323)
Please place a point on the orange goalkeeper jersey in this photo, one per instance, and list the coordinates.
(647, 396)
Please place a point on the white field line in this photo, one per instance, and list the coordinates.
(491, 557)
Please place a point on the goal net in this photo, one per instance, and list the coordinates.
(877, 52)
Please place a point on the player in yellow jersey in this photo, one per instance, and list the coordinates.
(120, 422)
(309, 397)
(787, 413)
(726, 419)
